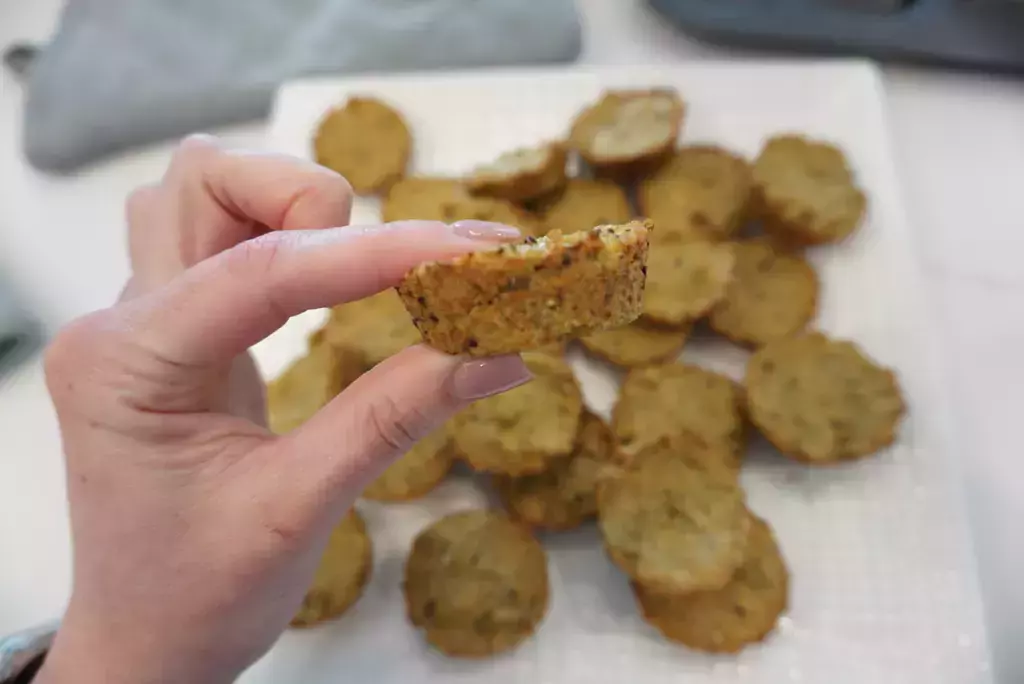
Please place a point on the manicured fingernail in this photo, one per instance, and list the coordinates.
(481, 378)
(485, 230)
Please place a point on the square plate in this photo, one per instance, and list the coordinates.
(884, 588)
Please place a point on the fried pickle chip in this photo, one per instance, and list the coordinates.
(367, 142)
(476, 583)
(522, 174)
(373, 329)
(773, 294)
(663, 402)
(307, 386)
(521, 431)
(686, 280)
(628, 133)
(564, 495)
(640, 343)
(674, 525)
(820, 400)
(701, 193)
(725, 620)
(417, 473)
(342, 574)
(805, 192)
(522, 296)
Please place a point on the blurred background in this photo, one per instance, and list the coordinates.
(958, 137)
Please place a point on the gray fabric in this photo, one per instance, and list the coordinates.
(121, 73)
(20, 334)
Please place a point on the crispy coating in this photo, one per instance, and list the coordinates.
(805, 192)
(417, 473)
(640, 343)
(526, 295)
(564, 495)
(342, 574)
(307, 386)
(628, 133)
(701, 193)
(820, 400)
(476, 583)
(773, 294)
(662, 402)
(522, 175)
(372, 329)
(674, 525)
(583, 204)
(367, 142)
(685, 280)
(726, 620)
(521, 431)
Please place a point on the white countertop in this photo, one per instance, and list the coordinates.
(960, 145)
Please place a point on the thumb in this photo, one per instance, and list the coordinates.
(352, 440)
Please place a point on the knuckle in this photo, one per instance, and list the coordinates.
(198, 143)
(395, 426)
(256, 258)
(141, 201)
(193, 151)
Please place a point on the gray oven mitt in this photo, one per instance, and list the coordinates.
(123, 73)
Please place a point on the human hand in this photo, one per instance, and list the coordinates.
(196, 532)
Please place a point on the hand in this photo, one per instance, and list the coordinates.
(196, 531)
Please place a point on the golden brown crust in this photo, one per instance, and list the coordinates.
(773, 294)
(521, 431)
(674, 525)
(342, 574)
(628, 133)
(476, 583)
(701, 193)
(564, 495)
(367, 142)
(308, 385)
(526, 295)
(743, 612)
(685, 280)
(663, 402)
(522, 175)
(417, 473)
(821, 401)
(640, 343)
(805, 192)
(372, 329)
(583, 204)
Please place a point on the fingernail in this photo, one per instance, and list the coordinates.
(481, 378)
(485, 230)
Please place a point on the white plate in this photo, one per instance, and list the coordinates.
(884, 587)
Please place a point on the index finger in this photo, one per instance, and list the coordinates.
(228, 303)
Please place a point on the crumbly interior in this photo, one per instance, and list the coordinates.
(517, 161)
(636, 125)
